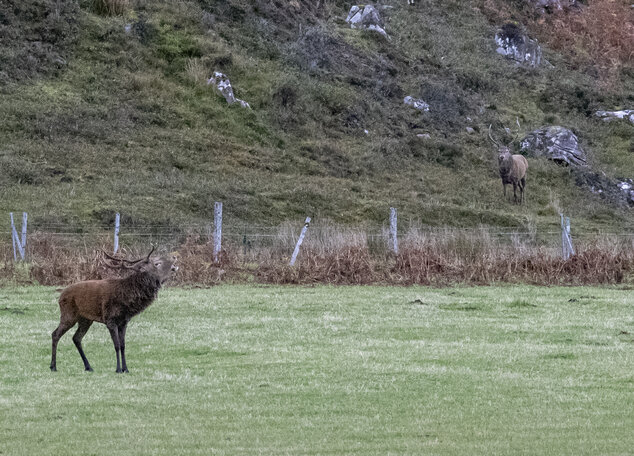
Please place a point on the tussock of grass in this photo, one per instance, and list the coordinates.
(521, 304)
(110, 7)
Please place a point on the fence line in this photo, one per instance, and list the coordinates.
(239, 233)
(327, 233)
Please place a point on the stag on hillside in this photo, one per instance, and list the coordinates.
(112, 302)
(512, 168)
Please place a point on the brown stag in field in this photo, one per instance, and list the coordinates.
(112, 302)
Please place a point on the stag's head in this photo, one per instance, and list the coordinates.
(163, 266)
(504, 151)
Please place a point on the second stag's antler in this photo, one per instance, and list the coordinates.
(508, 130)
(517, 133)
(122, 262)
(491, 137)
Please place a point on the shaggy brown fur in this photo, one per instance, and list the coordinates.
(112, 302)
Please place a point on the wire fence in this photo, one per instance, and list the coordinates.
(56, 253)
(251, 239)
(246, 238)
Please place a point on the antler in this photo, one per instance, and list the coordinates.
(148, 255)
(508, 130)
(517, 134)
(122, 261)
(491, 137)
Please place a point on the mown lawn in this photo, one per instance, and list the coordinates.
(352, 370)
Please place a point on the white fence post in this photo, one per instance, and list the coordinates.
(18, 244)
(15, 257)
(567, 248)
(299, 241)
(25, 217)
(117, 221)
(393, 231)
(218, 230)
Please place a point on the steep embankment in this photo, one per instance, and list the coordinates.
(113, 113)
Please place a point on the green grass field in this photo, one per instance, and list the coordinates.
(352, 370)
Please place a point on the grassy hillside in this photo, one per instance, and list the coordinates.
(112, 113)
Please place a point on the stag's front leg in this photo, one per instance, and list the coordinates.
(515, 192)
(114, 333)
(122, 328)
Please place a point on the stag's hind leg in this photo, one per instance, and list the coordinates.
(64, 326)
(82, 329)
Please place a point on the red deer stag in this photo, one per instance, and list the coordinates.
(512, 169)
(112, 302)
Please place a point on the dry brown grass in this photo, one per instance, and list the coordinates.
(346, 257)
(110, 7)
(600, 34)
(597, 35)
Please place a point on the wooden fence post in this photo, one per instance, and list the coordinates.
(567, 249)
(25, 218)
(15, 257)
(18, 244)
(218, 230)
(393, 231)
(299, 241)
(117, 221)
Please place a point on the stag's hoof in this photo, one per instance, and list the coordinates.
(53, 369)
(89, 369)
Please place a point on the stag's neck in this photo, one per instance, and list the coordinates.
(139, 290)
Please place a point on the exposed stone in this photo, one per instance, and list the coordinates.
(627, 187)
(613, 115)
(555, 143)
(366, 17)
(416, 103)
(619, 191)
(424, 136)
(470, 130)
(221, 82)
(514, 44)
(550, 6)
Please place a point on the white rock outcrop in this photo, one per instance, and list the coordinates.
(366, 17)
(613, 115)
(514, 44)
(618, 191)
(416, 103)
(555, 143)
(221, 82)
(627, 188)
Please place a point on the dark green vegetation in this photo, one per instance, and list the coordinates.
(364, 371)
(112, 113)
